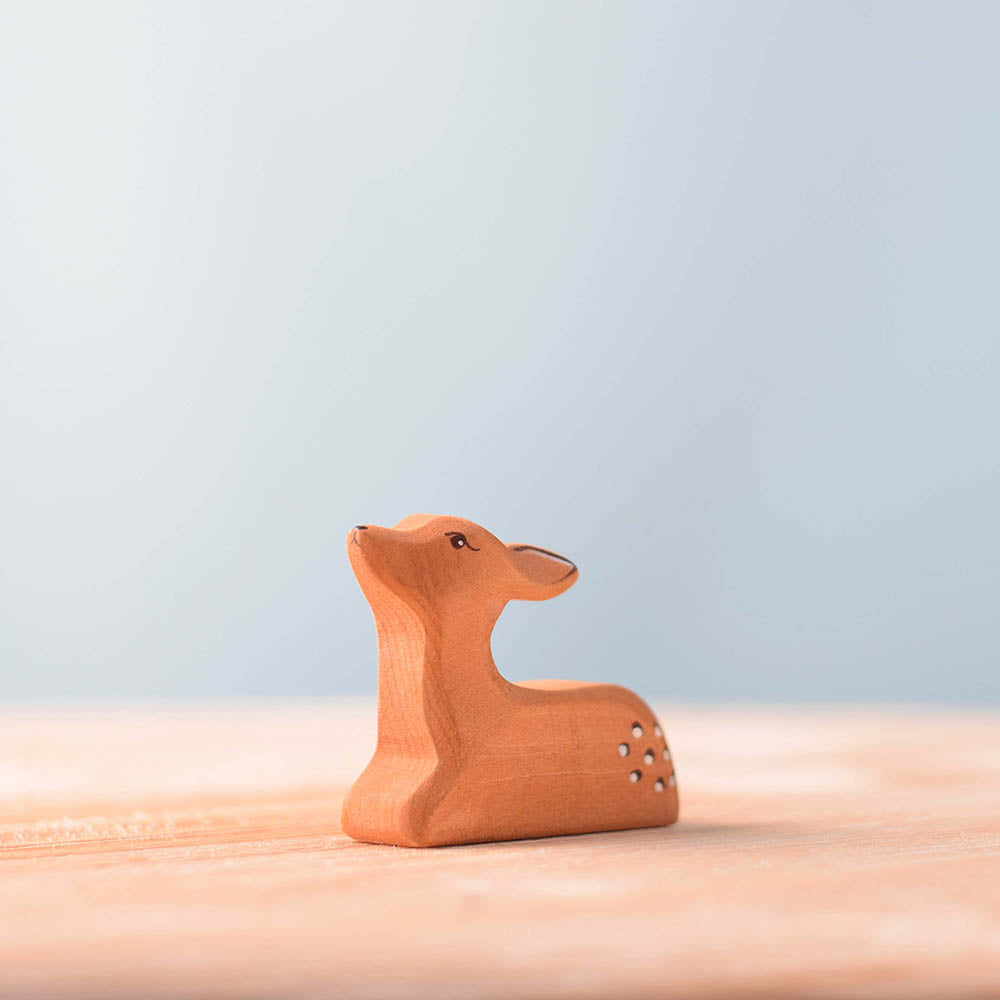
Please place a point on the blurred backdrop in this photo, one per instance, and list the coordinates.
(702, 295)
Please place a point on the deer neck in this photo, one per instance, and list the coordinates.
(436, 674)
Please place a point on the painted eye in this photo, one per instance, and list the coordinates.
(459, 541)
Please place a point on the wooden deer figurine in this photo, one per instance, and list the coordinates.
(463, 755)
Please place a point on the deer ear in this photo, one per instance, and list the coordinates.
(540, 574)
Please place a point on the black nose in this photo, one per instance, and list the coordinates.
(361, 527)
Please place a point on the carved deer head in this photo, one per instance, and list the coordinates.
(434, 563)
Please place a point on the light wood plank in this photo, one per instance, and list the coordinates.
(195, 850)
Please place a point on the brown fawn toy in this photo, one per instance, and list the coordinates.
(463, 755)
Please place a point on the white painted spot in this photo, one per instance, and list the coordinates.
(666, 754)
(649, 757)
(623, 749)
(636, 730)
(634, 776)
(659, 784)
(658, 731)
(672, 781)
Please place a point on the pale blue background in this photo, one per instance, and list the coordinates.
(703, 295)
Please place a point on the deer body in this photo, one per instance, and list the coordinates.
(463, 755)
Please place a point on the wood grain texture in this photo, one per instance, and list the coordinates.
(195, 851)
(463, 755)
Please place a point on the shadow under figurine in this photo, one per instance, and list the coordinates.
(464, 756)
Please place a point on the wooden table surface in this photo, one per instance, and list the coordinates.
(195, 851)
